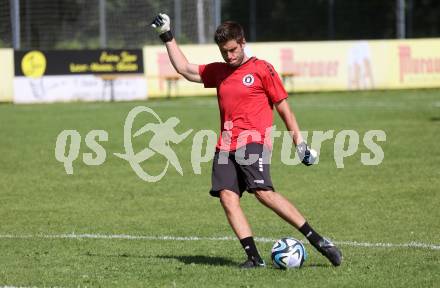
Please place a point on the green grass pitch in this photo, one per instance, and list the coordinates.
(396, 202)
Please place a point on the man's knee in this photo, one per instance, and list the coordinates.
(229, 198)
(264, 196)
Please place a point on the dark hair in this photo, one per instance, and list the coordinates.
(229, 30)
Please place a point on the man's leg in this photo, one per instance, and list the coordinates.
(281, 206)
(239, 224)
(286, 210)
(236, 218)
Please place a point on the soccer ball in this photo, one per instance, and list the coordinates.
(288, 253)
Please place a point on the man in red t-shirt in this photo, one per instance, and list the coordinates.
(247, 91)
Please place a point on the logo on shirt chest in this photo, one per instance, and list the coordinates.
(248, 80)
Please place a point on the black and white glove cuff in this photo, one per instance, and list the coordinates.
(166, 37)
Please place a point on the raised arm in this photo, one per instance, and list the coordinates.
(181, 64)
(162, 25)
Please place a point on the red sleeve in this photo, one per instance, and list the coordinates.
(209, 74)
(272, 83)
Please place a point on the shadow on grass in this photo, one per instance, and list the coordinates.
(193, 259)
(201, 260)
(434, 119)
(122, 255)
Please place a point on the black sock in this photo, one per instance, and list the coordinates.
(250, 248)
(310, 234)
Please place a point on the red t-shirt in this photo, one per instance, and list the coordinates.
(245, 97)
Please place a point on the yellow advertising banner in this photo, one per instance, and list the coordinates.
(313, 66)
(6, 75)
(418, 63)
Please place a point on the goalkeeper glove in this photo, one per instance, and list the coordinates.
(161, 24)
(306, 154)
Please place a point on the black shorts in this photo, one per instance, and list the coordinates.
(238, 172)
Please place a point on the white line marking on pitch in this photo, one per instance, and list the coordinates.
(196, 238)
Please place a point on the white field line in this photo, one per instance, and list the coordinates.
(11, 286)
(18, 286)
(7, 286)
(196, 238)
